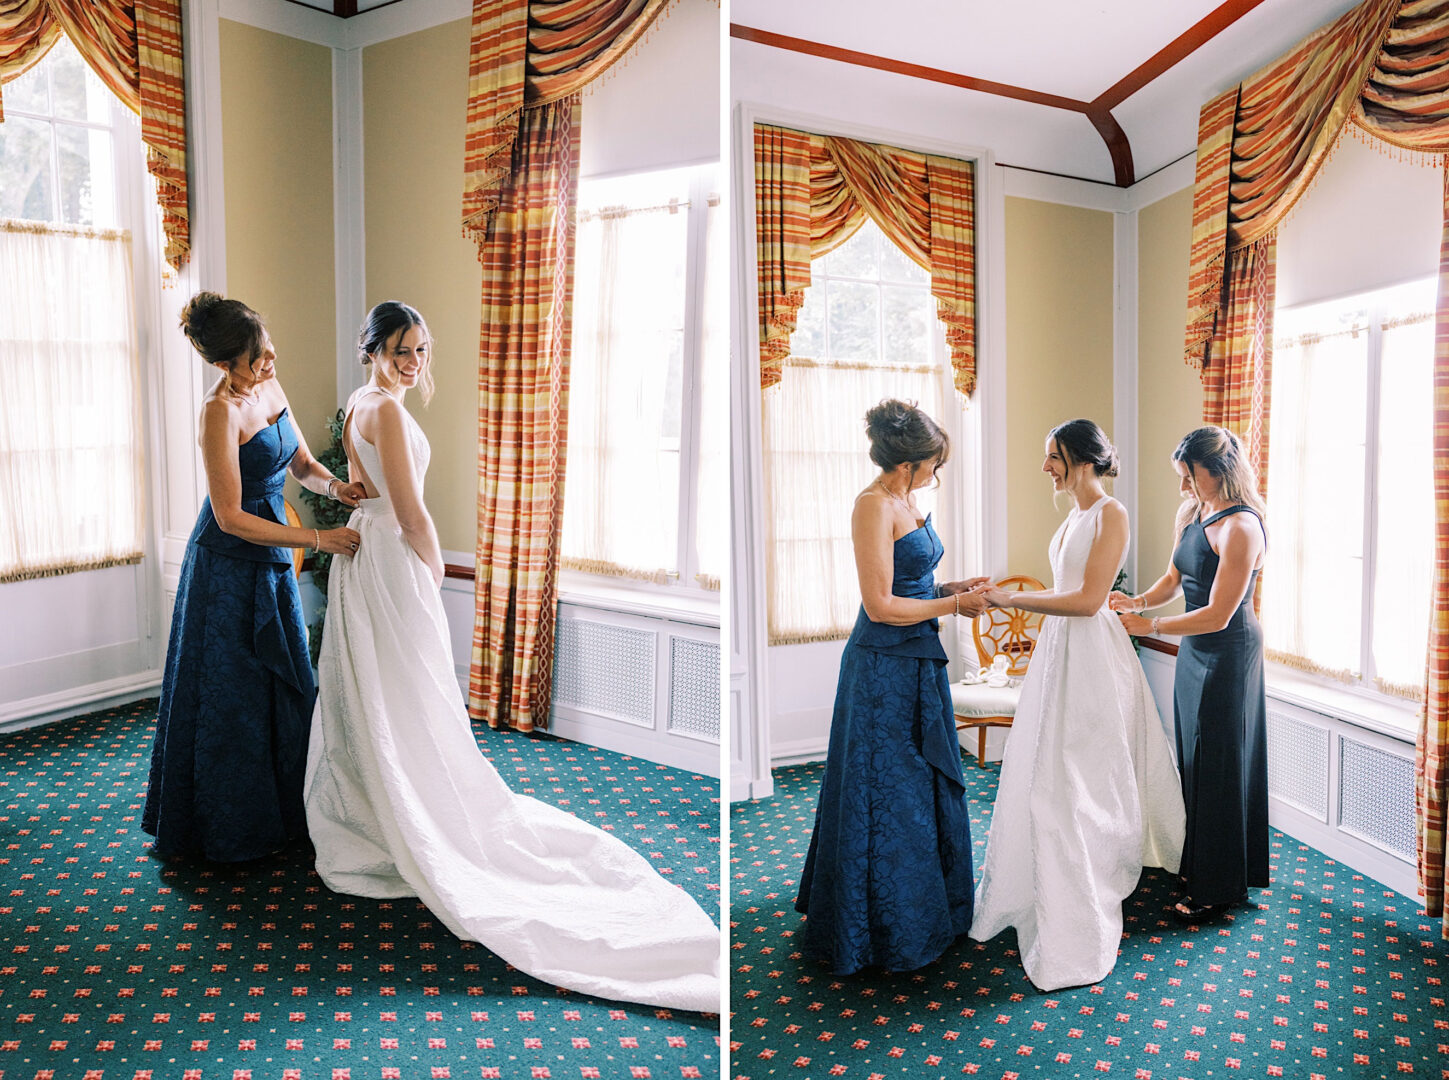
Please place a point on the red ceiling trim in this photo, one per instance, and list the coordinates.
(900, 67)
(1098, 111)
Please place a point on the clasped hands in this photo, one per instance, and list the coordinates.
(978, 594)
(1126, 608)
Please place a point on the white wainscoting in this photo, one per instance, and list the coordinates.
(1340, 783)
(639, 677)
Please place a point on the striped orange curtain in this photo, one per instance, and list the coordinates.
(812, 192)
(134, 47)
(528, 59)
(1431, 761)
(1383, 66)
(782, 240)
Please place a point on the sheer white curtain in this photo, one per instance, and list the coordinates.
(1313, 573)
(817, 459)
(1404, 556)
(712, 492)
(621, 498)
(70, 438)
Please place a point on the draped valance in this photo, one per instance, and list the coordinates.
(812, 192)
(134, 47)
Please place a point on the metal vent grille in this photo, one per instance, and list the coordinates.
(694, 688)
(605, 669)
(1376, 797)
(1298, 764)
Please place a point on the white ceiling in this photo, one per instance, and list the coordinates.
(1070, 48)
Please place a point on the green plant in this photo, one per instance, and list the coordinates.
(1120, 585)
(328, 513)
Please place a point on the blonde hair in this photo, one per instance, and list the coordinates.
(1220, 454)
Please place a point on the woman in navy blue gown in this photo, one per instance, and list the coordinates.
(237, 692)
(888, 878)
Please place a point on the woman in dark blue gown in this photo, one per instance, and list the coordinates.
(237, 691)
(888, 878)
(1219, 698)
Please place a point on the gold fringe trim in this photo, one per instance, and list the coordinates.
(839, 633)
(30, 573)
(1403, 690)
(1302, 663)
(857, 365)
(52, 228)
(613, 69)
(708, 581)
(605, 568)
(614, 213)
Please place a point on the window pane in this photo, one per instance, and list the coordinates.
(27, 183)
(1404, 559)
(854, 314)
(896, 265)
(78, 93)
(86, 190)
(712, 501)
(28, 93)
(808, 340)
(1313, 576)
(621, 511)
(909, 315)
(859, 256)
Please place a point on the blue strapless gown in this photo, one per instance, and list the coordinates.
(237, 693)
(888, 878)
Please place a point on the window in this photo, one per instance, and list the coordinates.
(867, 331)
(1348, 575)
(71, 493)
(646, 454)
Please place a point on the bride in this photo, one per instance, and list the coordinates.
(1088, 794)
(400, 800)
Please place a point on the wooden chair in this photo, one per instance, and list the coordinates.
(299, 555)
(1007, 632)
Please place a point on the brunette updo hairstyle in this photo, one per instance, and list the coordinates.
(900, 433)
(225, 332)
(384, 322)
(1082, 442)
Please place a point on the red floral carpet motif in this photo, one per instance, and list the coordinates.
(1333, 975)
(116, 966)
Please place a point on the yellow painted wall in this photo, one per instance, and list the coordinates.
(1059, 277)
(1169, 394)
(276, 117)
(415, 92)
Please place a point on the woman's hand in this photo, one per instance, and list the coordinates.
(1135, 625)
(971, 603)
(951, 588)
(342, 541)
(1120, 601)
(349, 495)
(994, 596)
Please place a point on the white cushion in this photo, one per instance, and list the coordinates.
(978, 699)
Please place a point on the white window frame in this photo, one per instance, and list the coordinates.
(705, 182)
(1362, 688)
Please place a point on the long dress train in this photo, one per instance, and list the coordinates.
(1088, 793)
(401, 802)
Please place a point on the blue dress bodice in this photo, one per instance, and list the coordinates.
(263, 459)
(916, 556)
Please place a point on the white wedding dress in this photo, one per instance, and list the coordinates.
(401, 802)
(1088, 794)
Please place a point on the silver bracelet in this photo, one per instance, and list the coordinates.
(1155, 620)
(333, 480)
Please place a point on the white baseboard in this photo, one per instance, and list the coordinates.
(1335, 844)
(643, 743)
(798, 751)
(742, 790)
(48, 708)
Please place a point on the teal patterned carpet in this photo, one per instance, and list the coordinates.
(1333, 975)
(117, 966)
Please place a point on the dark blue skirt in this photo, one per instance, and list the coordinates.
(236, 708)
(888, 878)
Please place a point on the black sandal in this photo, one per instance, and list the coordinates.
(1185, 911)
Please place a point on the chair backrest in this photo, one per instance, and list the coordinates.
(1008, 631)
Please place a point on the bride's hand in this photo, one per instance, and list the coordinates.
(951, 588)
(1120, 601)
(349, 495)
(995, 597)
